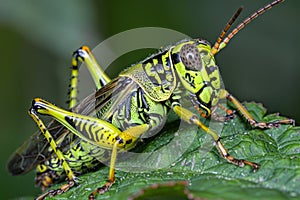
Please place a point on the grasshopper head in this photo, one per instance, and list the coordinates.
(197, 70)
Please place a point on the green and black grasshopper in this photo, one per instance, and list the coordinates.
(134, 103)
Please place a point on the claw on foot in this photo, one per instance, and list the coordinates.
(101, 190)
(60, 190)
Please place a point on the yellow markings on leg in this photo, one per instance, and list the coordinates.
(100, 78)
(73, 86)
(99, 129)
(53, 145)
(60, 156)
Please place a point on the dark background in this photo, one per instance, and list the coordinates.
(37, 38)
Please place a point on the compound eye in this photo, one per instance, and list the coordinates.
(190, 57)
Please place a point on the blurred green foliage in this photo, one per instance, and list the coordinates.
(37, 39)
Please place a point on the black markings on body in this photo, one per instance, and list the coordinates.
(70, 121)
(211, 69)
(190, 79)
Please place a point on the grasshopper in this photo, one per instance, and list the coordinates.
(127, 107)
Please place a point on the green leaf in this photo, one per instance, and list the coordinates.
(200, 174)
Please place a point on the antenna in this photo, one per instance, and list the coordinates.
(221, 43)
(215, 48)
